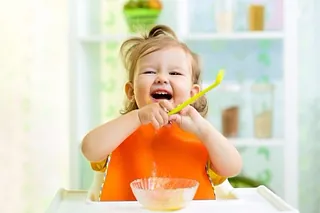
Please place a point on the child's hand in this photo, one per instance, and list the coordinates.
(188, 119)
(94, 190)
(155, 113)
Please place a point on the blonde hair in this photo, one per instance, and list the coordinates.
(159, 37)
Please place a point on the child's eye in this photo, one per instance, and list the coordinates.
(149, 72)
(175, 73)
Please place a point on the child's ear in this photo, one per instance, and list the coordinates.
(195, 89)
(129, 91)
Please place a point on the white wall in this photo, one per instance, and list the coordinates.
(33, 103)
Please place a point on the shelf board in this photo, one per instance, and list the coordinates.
(256, 142)
(193, 36)
(235, 36)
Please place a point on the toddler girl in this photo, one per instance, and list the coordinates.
(144, 141)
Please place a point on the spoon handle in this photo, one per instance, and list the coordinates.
(198, 95)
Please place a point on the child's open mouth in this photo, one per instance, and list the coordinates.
(160, 95)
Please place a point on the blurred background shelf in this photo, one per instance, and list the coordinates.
(255, 142)
(194, 36)
(234, 36)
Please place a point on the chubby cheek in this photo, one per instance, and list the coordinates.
(181, 93)
(179, 99)
(142, 93)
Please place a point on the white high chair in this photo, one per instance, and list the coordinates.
(223, 191)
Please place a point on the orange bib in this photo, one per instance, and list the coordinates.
(167, 152)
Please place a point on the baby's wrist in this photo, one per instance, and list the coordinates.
(138, 117)
(204, 129)
(135, 116)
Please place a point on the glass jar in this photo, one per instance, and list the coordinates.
(224, 15)
(262, 107)
(256, 17)
(230, 109)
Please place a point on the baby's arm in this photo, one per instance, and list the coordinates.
(225, 159)
(101, 141)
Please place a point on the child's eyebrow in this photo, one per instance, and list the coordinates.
(144, 66)
(176, 67)
(180, 68)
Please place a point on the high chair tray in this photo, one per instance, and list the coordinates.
(245, 200)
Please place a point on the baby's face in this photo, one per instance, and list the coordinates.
(164, 74)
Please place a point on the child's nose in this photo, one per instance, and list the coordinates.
(161, 79)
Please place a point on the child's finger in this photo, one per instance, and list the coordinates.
(166, 105)
(188, 110)
(185, 111)
(164, 116)
(159, 119)
(155, 123)
(175, 118)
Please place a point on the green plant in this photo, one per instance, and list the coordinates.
(131, 4)
(244, 182)
(142, 14)
(146, 4)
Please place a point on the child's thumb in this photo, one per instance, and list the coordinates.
(188, 110)
(175, 118)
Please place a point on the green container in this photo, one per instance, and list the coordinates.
(141, 19)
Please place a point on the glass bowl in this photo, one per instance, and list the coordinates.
(164, 194)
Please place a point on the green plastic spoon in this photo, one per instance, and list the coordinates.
(218, 80)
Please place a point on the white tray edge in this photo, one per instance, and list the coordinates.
(56, 201)
(238, 193)
(275, 200)
(64, 194)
